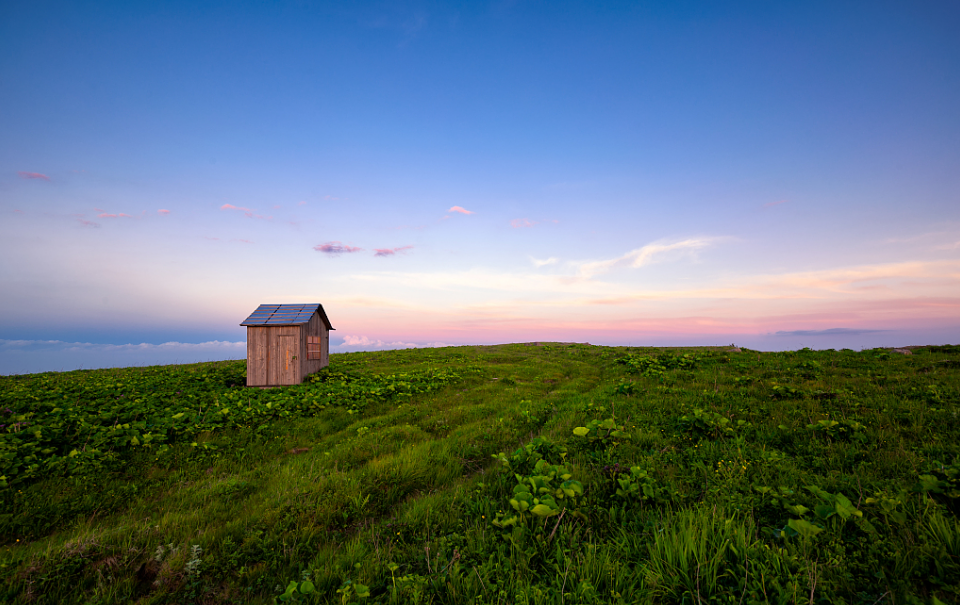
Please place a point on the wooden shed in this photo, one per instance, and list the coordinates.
(285, 343)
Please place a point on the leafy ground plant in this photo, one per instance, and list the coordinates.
(634, 475)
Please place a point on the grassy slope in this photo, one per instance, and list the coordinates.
(359, 477)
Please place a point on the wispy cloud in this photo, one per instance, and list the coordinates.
(336, 248)
(108, 215)
(540, 263)
(32, 175)
(163, 211)
(461, 210)
(82, 219)
(772, 204)
(390, 251)
(649, 254)
(302, 203)
(249, 213)
(519, 223)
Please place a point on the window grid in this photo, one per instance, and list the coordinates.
(313, 347)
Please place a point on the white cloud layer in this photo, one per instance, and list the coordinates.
(649, 254)
(28, 356)
(364, 343)
(540, 263)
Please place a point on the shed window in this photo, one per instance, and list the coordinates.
(313, 347)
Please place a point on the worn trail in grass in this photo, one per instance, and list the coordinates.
(633, 475)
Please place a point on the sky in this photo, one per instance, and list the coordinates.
(776, 175)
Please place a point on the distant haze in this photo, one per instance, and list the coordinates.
(775, 175)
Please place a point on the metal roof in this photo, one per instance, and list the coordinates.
(285, 315)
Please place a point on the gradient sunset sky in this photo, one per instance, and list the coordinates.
(774, 174)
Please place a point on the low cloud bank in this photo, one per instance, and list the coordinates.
(365, 343)
(30, 356)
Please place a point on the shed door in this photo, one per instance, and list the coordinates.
(289, 363)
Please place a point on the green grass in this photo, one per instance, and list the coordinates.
(504, 474)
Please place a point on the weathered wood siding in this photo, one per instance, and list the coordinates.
(325, 347)
(288, 362)
(257, 356)
(280, 355)
(274, 355)
(316, 327)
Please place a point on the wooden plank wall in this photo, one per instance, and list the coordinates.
(283, 347)
(324, 345)
(316, 327)
(275, 355)
(256, 356)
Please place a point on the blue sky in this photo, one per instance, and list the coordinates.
(661, 173)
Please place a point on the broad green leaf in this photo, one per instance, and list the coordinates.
(797, 509)
(929, 483)
(845, 508)
(581, 431)
(804, 528)
(825, 511)
(542, 510)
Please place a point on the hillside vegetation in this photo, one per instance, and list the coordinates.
(508, 474)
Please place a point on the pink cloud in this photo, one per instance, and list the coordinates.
(301, 203)
(461, 210)
(276, 206)
(18, 211)
(33, 175)
(390, 251)
(213, 239)
(107, 215)
(245, 241)
(248, 212)
(335, 248)
(771, 204)
(163, 211)
(330, 197)
(232, 207)
(87, 223)
(519, 223)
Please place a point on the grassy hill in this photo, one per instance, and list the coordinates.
(554, 473)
